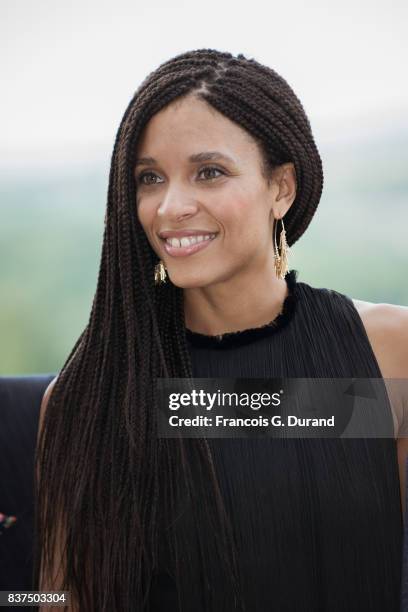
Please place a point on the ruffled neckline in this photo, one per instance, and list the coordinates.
(245, 336)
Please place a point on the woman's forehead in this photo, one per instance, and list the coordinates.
(193, 127)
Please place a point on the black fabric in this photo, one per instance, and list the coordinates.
(318, 521)
(20, 401)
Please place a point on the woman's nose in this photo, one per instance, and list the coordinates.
(177, 203)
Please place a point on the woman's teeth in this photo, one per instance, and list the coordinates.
(188, 240)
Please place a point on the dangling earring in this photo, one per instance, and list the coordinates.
(281, 255)
(159, 273)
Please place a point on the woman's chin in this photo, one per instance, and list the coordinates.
(190, 281)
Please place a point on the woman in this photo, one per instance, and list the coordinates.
(218, 147)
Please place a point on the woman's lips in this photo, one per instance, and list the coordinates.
(188, 250)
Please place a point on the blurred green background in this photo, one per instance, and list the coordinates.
(51, 237)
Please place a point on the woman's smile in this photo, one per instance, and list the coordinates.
(187, 246)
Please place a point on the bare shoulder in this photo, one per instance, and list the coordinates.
(44, 402)
(387, 330)
(386, 326)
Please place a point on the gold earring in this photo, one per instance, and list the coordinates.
(159, 273)
(281, 254)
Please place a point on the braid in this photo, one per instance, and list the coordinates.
(104, 475)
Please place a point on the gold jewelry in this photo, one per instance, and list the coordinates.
(281, 254)
(159, 273)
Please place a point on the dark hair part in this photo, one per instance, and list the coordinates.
(122, 496)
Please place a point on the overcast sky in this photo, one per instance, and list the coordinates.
(70, 68)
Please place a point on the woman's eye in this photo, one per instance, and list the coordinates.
(211, 169)
(151, 175)
(143, 175)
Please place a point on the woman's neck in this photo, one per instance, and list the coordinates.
(234, 305)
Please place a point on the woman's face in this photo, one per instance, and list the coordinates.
(186, 187)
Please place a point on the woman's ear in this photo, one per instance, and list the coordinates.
(285, 180)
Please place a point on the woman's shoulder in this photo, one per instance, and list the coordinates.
(386, 326)
(44, 403)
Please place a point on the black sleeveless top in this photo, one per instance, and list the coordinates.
(318, 521)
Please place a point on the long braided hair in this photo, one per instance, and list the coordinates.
(115, 489)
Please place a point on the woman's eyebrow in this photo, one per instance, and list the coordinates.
(195, 158)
